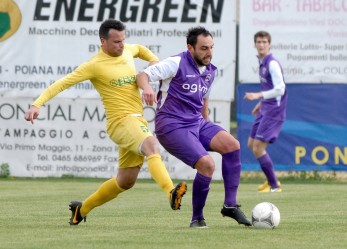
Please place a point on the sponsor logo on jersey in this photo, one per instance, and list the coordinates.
(193, 88)
(123, 81)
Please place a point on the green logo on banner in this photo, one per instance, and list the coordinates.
(4, 23)
(10, 18)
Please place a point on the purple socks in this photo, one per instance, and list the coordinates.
(268, 169)
(231, 171)
(201, 187)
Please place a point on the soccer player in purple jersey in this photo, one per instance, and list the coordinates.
(270, 111)
(183, 128)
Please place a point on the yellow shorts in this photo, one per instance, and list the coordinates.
(129, 133)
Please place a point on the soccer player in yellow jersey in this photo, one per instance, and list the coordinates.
(112, 72)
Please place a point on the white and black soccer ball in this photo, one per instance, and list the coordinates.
(265, 215)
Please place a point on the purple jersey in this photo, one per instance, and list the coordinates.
(274, 108)
(181, 103)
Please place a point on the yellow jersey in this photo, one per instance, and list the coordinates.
(113, 77)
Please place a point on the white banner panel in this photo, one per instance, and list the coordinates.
(309, 38)
(55, 36)
(70, 139)
(43, 40)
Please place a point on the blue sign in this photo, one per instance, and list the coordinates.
(314, 135)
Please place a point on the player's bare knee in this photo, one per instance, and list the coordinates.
(224, 143)
(258, 152)
(235, 145)
(150, 146)
(229, 145)
(250, 146)
(126, 184)
(205, 166)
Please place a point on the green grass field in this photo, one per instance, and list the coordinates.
(34, 214)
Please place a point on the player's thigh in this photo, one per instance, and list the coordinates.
(255, 126)
(224, 142)
(128, 158)
(268, 130)
(183, 144)
(209, 134)
(129, 133)
(250, 142)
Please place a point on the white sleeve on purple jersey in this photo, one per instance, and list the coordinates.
(165, 69)
(277, 81)
(207, 95)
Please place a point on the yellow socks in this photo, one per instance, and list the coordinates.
(159, 173)
(106, 192)
(110, 189)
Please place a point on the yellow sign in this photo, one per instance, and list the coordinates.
(10, 19)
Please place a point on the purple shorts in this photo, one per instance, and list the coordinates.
(266, 129)
(191, 143)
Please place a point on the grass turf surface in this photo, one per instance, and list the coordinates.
(34, 214)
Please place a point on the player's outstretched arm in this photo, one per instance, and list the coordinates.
(32, 114)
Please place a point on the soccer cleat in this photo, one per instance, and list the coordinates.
(176, 195)
(276, 190)
(270, 189)
(198, 224)
(236, 214)
(76, 217)
(263, 186)
(266, 185)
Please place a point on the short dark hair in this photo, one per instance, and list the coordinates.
(193, 33)
(262, 34)
(110, 24)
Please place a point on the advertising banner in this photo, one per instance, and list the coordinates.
(43, 40)
(69, 139)
(308, 38)
(314, 135)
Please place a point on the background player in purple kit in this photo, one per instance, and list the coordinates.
(182, 124)
(270, 111)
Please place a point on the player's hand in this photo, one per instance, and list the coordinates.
(32, 114)
(148, 95)
(253, 96)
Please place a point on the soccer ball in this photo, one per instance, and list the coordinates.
(265, 215)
